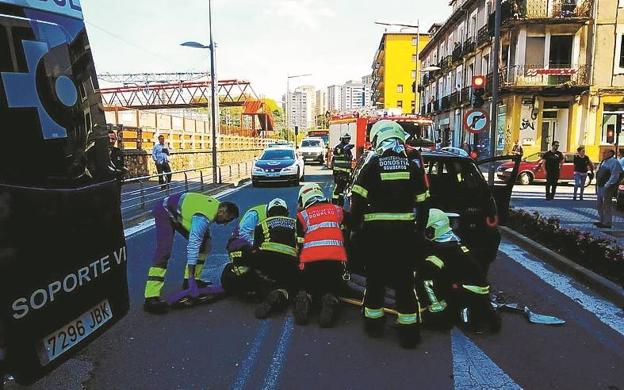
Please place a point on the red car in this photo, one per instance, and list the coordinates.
(527, 173)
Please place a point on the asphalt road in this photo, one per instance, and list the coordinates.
(222, 346)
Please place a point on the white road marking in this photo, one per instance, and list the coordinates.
(473, 369)
(606, 311)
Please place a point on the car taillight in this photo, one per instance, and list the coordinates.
(492, 221)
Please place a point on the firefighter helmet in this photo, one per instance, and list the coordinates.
(438, 224)
(386, 129)
(309, 192)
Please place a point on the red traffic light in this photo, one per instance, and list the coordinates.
(479, 82)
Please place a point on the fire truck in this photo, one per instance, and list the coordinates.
(359, 126)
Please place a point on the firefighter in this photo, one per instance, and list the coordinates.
(341, 165)
(275, 259)
(322, 256)
(452, 281)
(385, 194)
(191, 215)
(236, 277)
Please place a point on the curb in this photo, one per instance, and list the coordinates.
(601, 285)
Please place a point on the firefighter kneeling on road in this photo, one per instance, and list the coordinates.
(452, 282)
(322, 256)
(236, 277)
(387, 191)
(341, 164)
(273, 262)
(190, 214)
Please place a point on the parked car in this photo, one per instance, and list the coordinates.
(528, 175)
(457, 186)
(278, 165)
(313, 149)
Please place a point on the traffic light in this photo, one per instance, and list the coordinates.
(296, 130)
(478, 90)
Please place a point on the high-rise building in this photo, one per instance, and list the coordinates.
(367, 80)
(334, 98)
(321, 102)
(352, 95)
(301, 104)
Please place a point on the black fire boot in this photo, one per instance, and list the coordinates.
(329, 310)
(275, 301)
(409, 335)
(374, 327)
(303, 302)
(155, 305)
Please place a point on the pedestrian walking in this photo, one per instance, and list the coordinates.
(160, 154)
(552, 161)
(582, 168)
(607, 179)
(517, 150)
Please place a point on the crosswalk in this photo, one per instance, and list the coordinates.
(541, 195)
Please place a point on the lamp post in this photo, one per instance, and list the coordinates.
(287, 101)
(213, 91)
(495, 91)
(417, 71)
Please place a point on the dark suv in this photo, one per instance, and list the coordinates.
(457, 185)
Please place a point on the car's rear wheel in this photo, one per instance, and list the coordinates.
(525, 178)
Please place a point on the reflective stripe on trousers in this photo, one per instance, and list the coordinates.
(155, 282)
(389, 217)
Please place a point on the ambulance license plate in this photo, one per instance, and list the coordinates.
(62, 340)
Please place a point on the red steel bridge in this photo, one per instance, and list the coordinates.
(186, 93)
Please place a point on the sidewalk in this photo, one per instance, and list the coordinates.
(572, 214)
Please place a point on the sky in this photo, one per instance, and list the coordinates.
(262, 41)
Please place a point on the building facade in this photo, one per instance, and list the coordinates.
(334, 98)
(395, 71)
(560, 77)
(301, 109)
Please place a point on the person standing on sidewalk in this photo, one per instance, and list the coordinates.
(160, 154)
(552, 161)
(582, 164)
(517, 149)
(607, 179)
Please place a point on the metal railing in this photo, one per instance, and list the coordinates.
(541, 75)
(139, 194)
(483, 36)
(542, 9)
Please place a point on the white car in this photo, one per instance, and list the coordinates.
(278, 164)
(313, 149)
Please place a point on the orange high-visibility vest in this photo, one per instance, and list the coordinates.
(323, 239)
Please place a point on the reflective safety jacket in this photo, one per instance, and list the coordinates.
(277, 234)
(388, 189)
(243, 234)
(342, 157)
(319, 233)
(192, 203)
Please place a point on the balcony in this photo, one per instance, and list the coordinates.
(454, 99)
(551, 76)
(483, 36)
(457, 53)
(465, 95)
(446, 63)
(469, 47)
(445, 104)
(425, 79)
(547, 9)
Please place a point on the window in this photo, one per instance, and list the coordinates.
(6, 65)
(400, 88)
(400, 103)
(414, 58)
(622, 50)
(415, 41)
(560, 51)
(413, 74)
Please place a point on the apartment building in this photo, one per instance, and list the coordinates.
(301, 104)
(395, 71)
(561, 73)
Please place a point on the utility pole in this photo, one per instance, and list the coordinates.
(495, 90)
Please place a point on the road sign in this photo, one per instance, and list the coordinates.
(476, 120)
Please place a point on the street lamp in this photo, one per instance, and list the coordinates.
(213, 91)
(288, 99)
(417, 27)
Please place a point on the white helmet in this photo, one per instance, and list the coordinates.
(277, 202)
